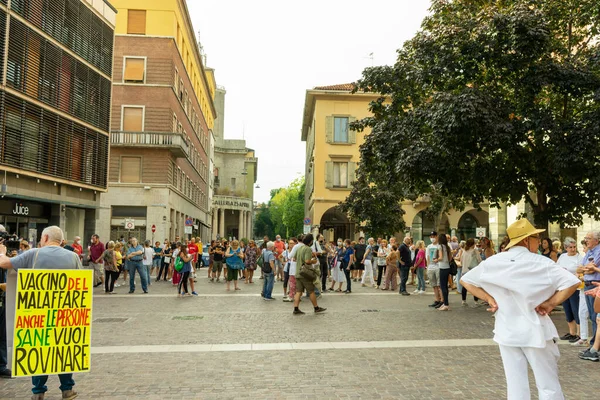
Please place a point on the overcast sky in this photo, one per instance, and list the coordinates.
(267, 53)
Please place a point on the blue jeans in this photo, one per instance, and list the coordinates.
(39, 383)
(458, 275)
(589, 300)
(141, 268)
(268, 285)
(421, 278)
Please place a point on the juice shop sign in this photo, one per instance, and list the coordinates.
(20, 209)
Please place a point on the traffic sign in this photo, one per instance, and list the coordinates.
(129, 224)
(187, 230)
(307, 221)
(153, 228)
(189, 221)
(306, 229)
(480, 231)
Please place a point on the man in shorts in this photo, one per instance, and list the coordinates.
(305, 260)
(433, 270)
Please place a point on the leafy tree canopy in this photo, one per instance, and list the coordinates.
(284, 213)
(491, 100)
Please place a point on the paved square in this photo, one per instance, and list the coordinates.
(230, 345)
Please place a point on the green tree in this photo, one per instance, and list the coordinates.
(491, 100)
(284, 213)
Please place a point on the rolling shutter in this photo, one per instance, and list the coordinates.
(136, 22)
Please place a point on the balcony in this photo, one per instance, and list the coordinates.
(175, 142)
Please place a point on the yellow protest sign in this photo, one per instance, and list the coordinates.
(53, 321)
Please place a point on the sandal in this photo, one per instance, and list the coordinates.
(237, 288)
(339, 290)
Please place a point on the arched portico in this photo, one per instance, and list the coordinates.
(335, 224)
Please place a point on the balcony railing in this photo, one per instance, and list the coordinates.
(175, 142)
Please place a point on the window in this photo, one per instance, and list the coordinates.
(340, 174)
(136, 22)
(134, 70)
(340, 129)
(132, 119)
(233, 183)
(174, 123)
(131, 169)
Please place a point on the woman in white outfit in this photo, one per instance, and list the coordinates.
(337, 275)
(570, 261)
(368, 263)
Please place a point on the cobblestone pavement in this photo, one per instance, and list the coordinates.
(404, 349)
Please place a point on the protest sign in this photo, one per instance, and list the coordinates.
(52, 322)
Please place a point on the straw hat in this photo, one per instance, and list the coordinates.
(519, 230)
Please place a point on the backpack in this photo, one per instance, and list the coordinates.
(178, 264)
(266, 267)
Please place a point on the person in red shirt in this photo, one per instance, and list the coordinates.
(278, 250)
(77, 247)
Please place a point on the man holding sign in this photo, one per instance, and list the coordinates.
(49, 256)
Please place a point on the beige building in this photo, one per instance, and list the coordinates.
(235, 170)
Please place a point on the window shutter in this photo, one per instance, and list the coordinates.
(136, 22)
(134, 69)
(351, 174)
(329, 129)
(351, 132)
(132, 119)
(328, 174)
(131, 168)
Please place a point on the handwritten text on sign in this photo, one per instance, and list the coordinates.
(52, 322)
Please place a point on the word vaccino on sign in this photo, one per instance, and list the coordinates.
(52, 331)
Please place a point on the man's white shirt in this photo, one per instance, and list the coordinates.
(519, 281)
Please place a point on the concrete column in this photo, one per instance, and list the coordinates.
(249, 225)
(240, 224)
(214, 227)
(244, 224)
(498, 223)
(222, 223)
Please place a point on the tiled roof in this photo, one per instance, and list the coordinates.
(343, 86)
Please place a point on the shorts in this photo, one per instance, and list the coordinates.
(434, 277)
(232, 274)
(156, 262)
(278, 264)
(358, 266)
(217, 266)
(302, 284)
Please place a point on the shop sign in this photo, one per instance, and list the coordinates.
(232, 203)
(20, 209)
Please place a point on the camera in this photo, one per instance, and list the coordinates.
(10, 241)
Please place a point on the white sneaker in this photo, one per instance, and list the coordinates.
(416, 291)
(581, 343)
(421, 292)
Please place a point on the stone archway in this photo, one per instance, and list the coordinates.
(469, 221)
(423, 225)
(337, 223)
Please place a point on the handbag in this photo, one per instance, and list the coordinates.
(178, 264)
(453, 267)
(307, 273)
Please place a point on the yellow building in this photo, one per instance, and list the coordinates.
(332, 156)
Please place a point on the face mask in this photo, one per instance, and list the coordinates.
(340, 244)
(434, 241)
